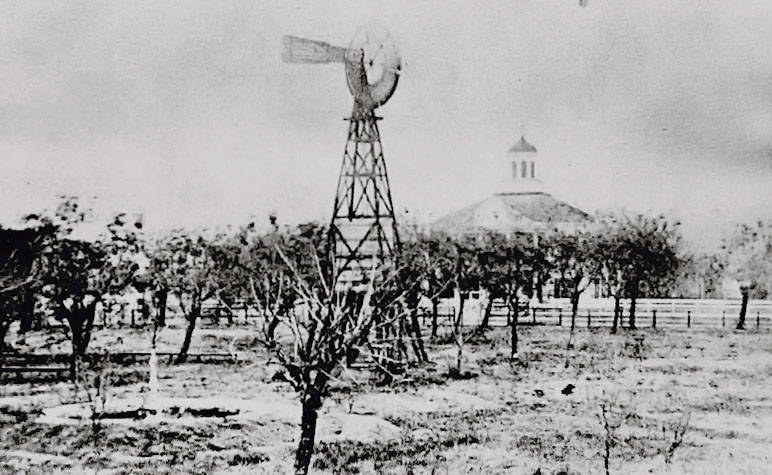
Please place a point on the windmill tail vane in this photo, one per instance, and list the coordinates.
(304, 51)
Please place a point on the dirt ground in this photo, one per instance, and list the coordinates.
(541, 414)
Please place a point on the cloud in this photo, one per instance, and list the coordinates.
(184, 110)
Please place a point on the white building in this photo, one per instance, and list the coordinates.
(519, 202)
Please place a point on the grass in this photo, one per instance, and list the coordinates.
(535, 415)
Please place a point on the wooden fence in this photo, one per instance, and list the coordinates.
(664, 313)
(658, 313)
(18, 367)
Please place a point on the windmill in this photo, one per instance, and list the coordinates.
(363, 229)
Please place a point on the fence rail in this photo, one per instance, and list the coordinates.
(664, 313)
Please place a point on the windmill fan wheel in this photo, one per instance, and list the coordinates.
(373, 66)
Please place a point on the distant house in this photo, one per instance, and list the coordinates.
(519, 203)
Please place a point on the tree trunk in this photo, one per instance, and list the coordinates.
(743, 308)
(459, 351)
(400, 341)
(617, 308)
(271, 330)
(460, 317)
(89, 317)
(513, 309)
(458, 332)
(216, 315)
(144, 310)
(418, 341)
(487, 314)
(74, 366)
(435, 304)
(539, 288)
(4, 326)
(162, 296)
(633, 299)
(195, 311)
(312, 402)
(76, 332)
(27, 308)
(81, 321)
(574, 309)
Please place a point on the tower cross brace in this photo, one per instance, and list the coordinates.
(363, 231)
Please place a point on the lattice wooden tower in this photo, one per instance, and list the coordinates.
(363, 230)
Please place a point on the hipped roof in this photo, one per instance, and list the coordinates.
(512, 212)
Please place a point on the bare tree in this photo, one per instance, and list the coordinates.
(20, 273)
(262, 276)
(679, 430)
(611, 256)
(193, 269)
(508, 271)
(650, 253)
(408, 287)
(747, 257)
(77, 275)
(574, 258)
(609, 430)
(437, 265)
(315, 336)
(700, 276)
(424, 272)
(466, 278)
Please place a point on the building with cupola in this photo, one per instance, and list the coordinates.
(519, 202)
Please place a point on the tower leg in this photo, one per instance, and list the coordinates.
(363, 228)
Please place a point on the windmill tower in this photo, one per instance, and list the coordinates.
(363, 230)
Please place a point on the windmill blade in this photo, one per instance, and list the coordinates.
(302, 50)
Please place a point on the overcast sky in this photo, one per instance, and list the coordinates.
(183, 110)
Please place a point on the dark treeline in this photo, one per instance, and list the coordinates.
(312, 327)
(43, 267)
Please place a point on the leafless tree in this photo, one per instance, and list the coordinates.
(747, 257)
(574, 258)
(679, 430)
(314, 338)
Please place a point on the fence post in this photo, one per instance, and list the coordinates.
(723, 318)
(688, 319)
(533, 316)
(589, 322)
(560, 317)
(654, 318)
(758, 320)
(132, 318)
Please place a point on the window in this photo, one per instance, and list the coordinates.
(533, 173)
(524, 168)
(514, 169)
